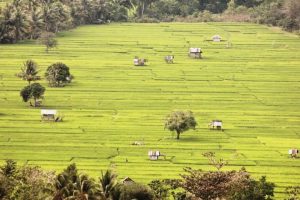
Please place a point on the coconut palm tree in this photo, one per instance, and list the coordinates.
(36, 22)
(108, 182)
(85, 189)
(20, 20)
(29, 71)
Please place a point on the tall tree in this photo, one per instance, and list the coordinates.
(29, 71)
(108, 182)
(36, 22)
(180, 121)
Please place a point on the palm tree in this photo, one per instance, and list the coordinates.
(65, 183)
(108, 183)
(29, 71)
(36, 22)
(85, 189)
(7, 28)
(20, 20)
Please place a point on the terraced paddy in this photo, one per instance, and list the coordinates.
(250, 81)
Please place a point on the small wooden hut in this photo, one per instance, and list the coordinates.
(154, 155)
(216, 38)
(48, 115)
(169, 59)
(293, 153)
(127, 181)
(139, 61)
(195, 52)
(216, 124)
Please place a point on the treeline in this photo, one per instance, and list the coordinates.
(28, 19)
(34, 183)
(283, 13)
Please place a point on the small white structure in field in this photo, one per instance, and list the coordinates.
(216, 38)
(48, 114)
(216, 124)
(195, 52)
(154, 155)
(139, 61)
(169, 59)
(293, 152)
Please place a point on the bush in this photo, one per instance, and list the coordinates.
(136, 191)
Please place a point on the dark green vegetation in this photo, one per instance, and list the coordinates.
(31, 19)
(27, 182)
(250, 81)
(34, 91)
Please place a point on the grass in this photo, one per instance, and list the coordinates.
(3, 3)
(252, 85)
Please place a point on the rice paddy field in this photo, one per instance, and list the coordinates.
(250, 81)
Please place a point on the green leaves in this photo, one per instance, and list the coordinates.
(35, 91)
(180, 121)
(58, 75)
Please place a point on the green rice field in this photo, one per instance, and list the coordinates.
(250, 81)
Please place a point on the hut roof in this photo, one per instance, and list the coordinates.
(48, 112)
(195, 50)
(127, 180)
(216, 37)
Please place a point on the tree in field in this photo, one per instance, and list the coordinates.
(58, 74)
(180, 121)
(108, 183)
(48, 39)
(34, 91)
(29, 71)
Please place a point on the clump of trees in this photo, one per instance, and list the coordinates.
(57, 75)
(34, 183)
(180, 121)
(29, 19)
(226, 185)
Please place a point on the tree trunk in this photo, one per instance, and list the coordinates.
(34, 102)
(178, 134)
(143, 9)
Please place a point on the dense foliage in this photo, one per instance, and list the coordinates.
(34, 91)
(226, 185)
(180, 121)
(27, 182)
(28, 19)
(58, 74)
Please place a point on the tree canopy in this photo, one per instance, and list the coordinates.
(180, 121)
(58, 75)
(34, 91)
